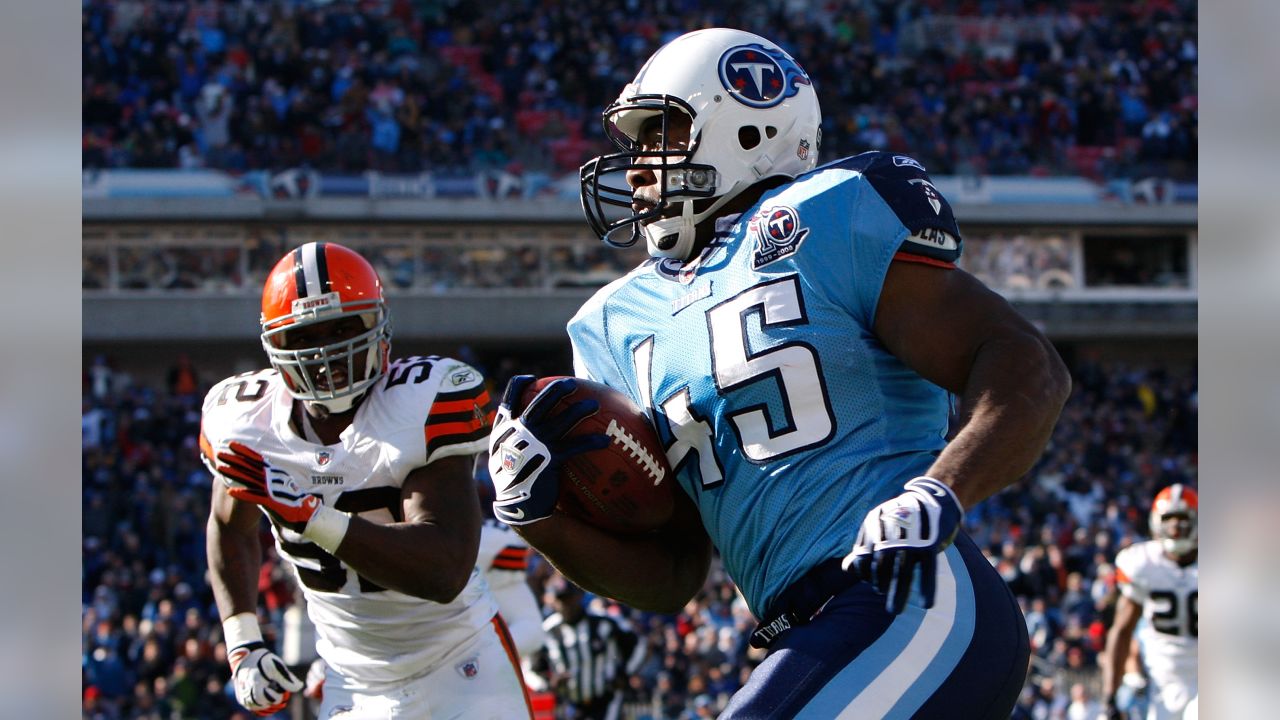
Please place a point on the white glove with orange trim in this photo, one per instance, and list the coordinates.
(251, 478)
(262, 680)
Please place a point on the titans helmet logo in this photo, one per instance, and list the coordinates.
(760, 77)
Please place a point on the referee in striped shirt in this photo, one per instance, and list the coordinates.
(587, 656)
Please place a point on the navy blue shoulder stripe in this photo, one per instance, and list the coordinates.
(904, 184)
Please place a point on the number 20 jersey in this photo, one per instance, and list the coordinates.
(424, 410)
(784, 416)
(1170, 597)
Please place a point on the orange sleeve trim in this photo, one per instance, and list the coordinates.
(1121, 577)
(913, 258)
(464, 405)
(206, 449)
(440, 430)
(501, 564)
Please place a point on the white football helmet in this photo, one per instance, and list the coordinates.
(1176, 499)
(754, 115)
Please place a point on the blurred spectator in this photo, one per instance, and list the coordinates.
(1099, 89)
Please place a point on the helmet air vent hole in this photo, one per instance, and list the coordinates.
(748, 136)
(770, 131)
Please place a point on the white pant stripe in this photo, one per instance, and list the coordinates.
(879, 697)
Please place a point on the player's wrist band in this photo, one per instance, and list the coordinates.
(327, 528)
(241, 629)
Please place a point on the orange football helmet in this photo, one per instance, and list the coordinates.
(320, 283)
(1176, 499)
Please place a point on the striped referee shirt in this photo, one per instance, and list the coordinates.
(591, 653)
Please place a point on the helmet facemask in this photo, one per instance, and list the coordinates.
(358, 361)
(667, 225)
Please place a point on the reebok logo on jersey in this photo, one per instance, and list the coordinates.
(904, 161)
(778, 234)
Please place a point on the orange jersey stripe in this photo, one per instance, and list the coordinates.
(500, 626)
(205, 448)
(912, 257)
(1121, 577)
(439, 430)
(464, 405)
(502, 564)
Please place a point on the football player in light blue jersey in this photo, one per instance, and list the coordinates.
(798, 336)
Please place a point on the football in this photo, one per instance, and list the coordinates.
(626, 487)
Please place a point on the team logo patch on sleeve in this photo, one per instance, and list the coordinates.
(778, 234)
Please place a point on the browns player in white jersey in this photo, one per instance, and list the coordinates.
(1159, 582)
(363, 466)
(504, 560)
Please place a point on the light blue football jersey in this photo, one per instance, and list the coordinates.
(784, 416)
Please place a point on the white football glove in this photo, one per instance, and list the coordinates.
(525, 451)
(263, 682)
(901, 533)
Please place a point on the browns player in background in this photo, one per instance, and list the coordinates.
(362, 464)
(1159, 583)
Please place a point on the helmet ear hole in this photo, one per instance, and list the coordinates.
(770, 131)
(748, 136)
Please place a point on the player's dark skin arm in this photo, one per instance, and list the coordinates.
(431, 554)
(658, 572)
(960, 335)
(234, 552)
(1116, 651)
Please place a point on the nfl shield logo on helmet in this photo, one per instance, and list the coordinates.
(323, 457)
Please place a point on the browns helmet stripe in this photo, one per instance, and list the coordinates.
(299, 277)
(312, 272)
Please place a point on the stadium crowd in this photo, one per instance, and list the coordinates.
(966, 86)
(152, 641)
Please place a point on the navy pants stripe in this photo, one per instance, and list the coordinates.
(964, 658)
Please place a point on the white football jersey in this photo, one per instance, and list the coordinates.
(1169, 594)
(427, 408)
(504, 560)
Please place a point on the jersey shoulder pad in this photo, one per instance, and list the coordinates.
(446, 397)
(904, 185)
(1132, 563)
(230, 403)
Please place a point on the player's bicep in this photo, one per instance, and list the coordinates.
(232, 514)
(1128, 612)
(936, 319)
(442, 493)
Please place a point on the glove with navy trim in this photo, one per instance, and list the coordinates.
(903, 533)
(525, 451)
(263, 682)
